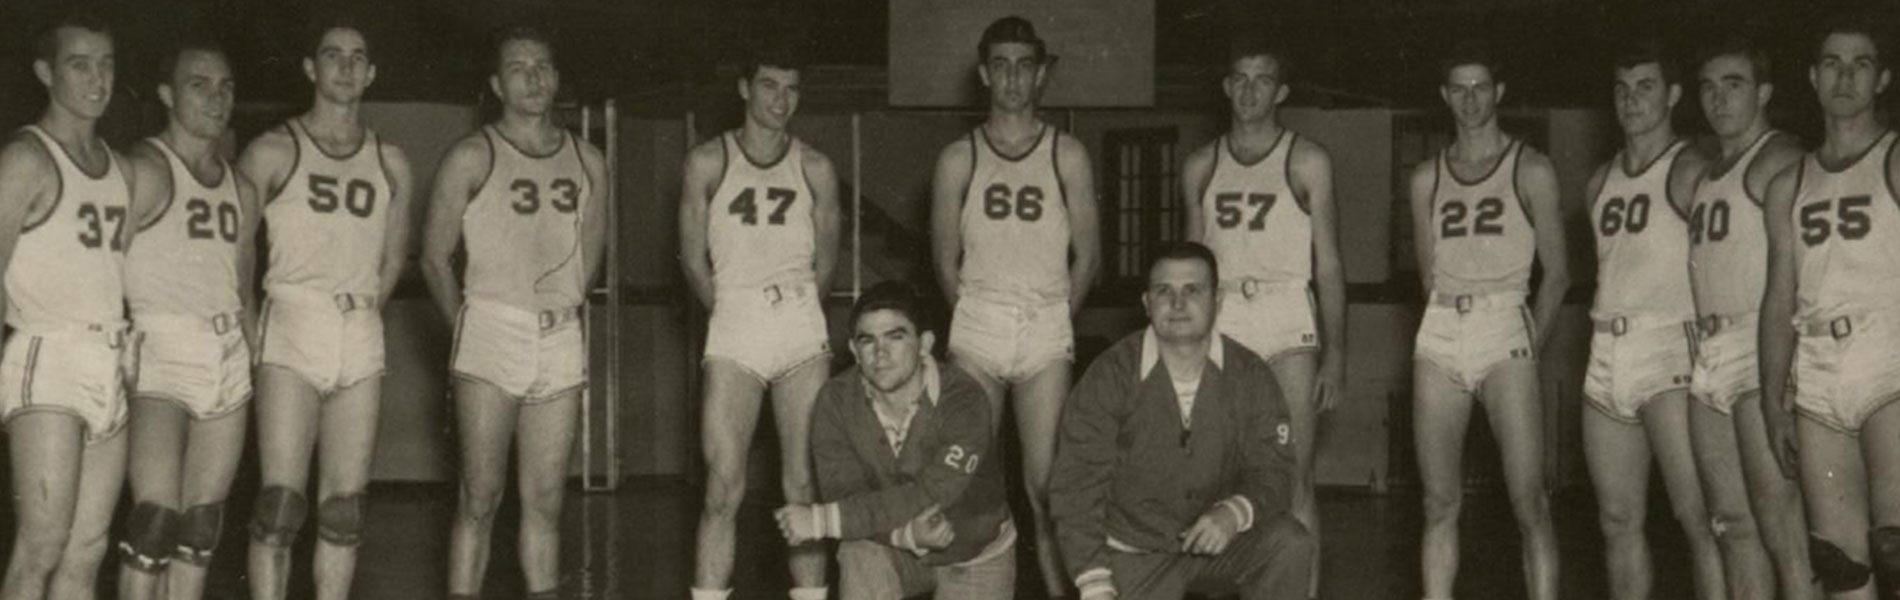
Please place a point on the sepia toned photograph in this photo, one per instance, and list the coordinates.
(949, 299)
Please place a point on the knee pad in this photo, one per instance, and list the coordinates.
(340, 519)
(1884, 543)
(279, 516)
(198, 533)
(1834, 569)
(149, 533)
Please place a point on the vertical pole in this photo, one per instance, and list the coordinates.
(612, 282)
(857, 207)
(587, 393)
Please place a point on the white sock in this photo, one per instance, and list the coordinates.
(810, 593)
(699, 594)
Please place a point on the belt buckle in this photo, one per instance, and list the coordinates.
(1464, 303)
(345, 302)
(1840, 327)
(1249, 287)
(1707, 326)
(115, 339)
(773, 294)
(1619, 326)
(221, 323)
(549, 319)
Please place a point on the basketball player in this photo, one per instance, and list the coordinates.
(1754, 512)
(758, 239)
(1481, 211)
(63, 234)
(521, 196)
(1831, 311)
(187, 282)
(337, 217)
(1011, 202)
(1638, 379)
(1275, 250)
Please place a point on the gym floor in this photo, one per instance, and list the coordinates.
(637, 543)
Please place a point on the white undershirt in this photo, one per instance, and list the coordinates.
(1184, 392)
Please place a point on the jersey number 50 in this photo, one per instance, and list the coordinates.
(358, 197)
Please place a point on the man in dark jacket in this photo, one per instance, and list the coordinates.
(1175, 458)
(902, 451)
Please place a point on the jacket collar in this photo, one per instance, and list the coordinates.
(1151, 351)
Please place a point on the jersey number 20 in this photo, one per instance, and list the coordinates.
(198, 222)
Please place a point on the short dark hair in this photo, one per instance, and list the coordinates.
(46, 44)
(1745, 48)
(518, 33)
(324, 25)
(1187, 251)
(779, 51)
(1007, 30)
(189, 43)
(1251, 45)
(1643, 51)
(1470, 51)
(1855, 22)
(892, 296)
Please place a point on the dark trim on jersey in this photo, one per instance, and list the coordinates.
(382, 164)
(725, 168)
(970, 180)
(172, 161)
(32, 364)
(1041, 134)
(296, 160)
(1208, 183)
(1432, 209)
(767, 165)
(171, 152)
(326, 153)
(492, 157)
(1722, 170)
(1669, 181)
(1445, 157)
(1300, 199)
(1055, 164)
(1227, 144)
(1850, 163)
(525, 153)
(1517, 160)
(59, 187)
(1886, 171)
(1763, 143)
(1800, 177)
(1644, 170)
(69, 155)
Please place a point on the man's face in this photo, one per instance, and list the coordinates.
(771, 97)
(1182, 299)
(889, 349)
(1731, 97)
(1254, 88)
(1848, 75)
(525, 79)
(1014, 75)
(200, 94)
(1643, 99)
(341, 70)
(80, 76)
(1472, 95)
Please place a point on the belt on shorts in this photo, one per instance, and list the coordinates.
(344, 302)
(220, 323)
(550, 319)
(1709, 325)
(1837, 327)
(1618, 326)
(1250, 287)
(115, 331)
(1468, 302)
(776, 292)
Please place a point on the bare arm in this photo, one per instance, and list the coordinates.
(396, 230)
(1424, 184)
(1685, 175)
(1537, 180)
(251, 211)
(1312, 177)
(704, 166)
(151, 178)
(1196, 172)
(267, 162)
(594, 225)
(948, 186)
(1776, 331)
(825, 216)
(27, 181)
(1085, 224)
(457, 180)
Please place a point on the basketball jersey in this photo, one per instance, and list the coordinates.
(67, 268)
(1728, 247)
(760, 228)
(184, 261)
(1642, 242)
(1482, 239)
(1256, 225)
(1847, 229)
(1015, 223)
(522, 228)
(326, 225)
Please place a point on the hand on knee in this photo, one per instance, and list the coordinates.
(340, 520)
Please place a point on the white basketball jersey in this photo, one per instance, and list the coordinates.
(1847, 235)
(67, 268)
(522, 229)
(1015, 223)
(760, 227)
(1483, 240)
(184, 261)
(1257, 226)
(1728, 247)
(1642, 242)
(326, 225)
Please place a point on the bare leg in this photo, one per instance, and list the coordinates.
(544, 440)
(45, 448)
(1776, 502)
(286, 408)
(1746, 569)
(348, 441)
(485, 425)
(101, 478)
(1667, 419)
(1439, 418)
(1618, 455)
(1517, 418)
(1834, 484)
(211, 462)
(1296, 374)
(1038, 414)
(792, 400)
(728, 414)
(157, 431)
(1880, 445)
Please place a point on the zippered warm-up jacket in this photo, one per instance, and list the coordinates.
(945, 461)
